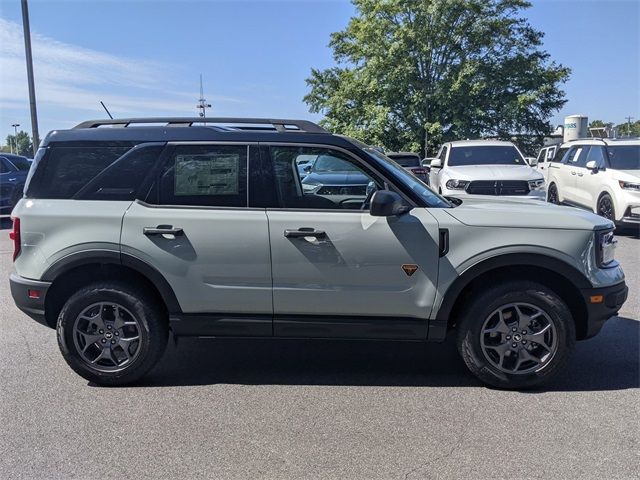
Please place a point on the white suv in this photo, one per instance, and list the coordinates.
(484, 167)
(602, 175)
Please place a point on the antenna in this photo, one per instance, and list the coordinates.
(202, 102)
(106, 109)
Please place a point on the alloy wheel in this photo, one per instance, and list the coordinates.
(519, 338)
(605, 208)
(107, 336)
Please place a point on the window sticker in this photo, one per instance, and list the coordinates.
(209, 174)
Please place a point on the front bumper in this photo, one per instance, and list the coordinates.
(24, 291)
(599, 310)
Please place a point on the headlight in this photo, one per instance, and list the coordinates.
(536, 184)
(310, 187)
(606, 247)
(630, 186)
(457, 184)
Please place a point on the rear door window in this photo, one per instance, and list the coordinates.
(203, 175)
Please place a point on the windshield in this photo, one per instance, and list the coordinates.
(327, 163)
(431, 198)
(624, 157)
(406, 160)
(485, 155)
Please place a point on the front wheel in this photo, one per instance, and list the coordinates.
(516, 335)
(605, 207)
(552, 194)
(111, 333)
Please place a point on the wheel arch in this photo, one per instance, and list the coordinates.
(75, 270)
(557, 275)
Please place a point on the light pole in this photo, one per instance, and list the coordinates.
(15, 136)
(32, 89)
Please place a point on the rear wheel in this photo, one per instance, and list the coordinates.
(605, 207)
(552, 194)
(111, 333)
(516, 335)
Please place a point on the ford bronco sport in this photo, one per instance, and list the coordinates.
(205, 229)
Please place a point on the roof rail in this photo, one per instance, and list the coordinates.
(280, 125)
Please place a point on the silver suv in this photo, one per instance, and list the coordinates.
(173, 225)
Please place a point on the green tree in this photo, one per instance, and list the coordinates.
(437, 69)
(24, 144)
(597, 124)
(629, 129)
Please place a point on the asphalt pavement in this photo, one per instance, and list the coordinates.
(318, 409)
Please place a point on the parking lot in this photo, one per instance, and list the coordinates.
(318, 409)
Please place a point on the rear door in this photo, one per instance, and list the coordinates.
(196, 229)
(338, 271)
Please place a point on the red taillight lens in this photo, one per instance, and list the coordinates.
(14, 235)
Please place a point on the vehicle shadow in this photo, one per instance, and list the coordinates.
(609, 361)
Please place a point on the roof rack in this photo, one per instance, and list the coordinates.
(280, 125)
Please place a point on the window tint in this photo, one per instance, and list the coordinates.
(21, 163)
(485, 155)
(63, 171)
(597, 155)
(121, 180)
(4, 166)
(624, 157)
(560, 154)
(204, 175)
(573, 157)
(542, 155)
(406, 160)
(335, 181)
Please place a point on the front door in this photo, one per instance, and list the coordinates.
(196, 230)
(338, 271)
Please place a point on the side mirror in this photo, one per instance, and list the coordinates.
(436, 163)
(307, 169)
(387, 204)
(532, 161)
(592, 165)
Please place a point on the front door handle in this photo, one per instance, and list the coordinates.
(304, 232)
(573, 172)
(162, 230)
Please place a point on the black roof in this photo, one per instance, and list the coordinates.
(172, 129)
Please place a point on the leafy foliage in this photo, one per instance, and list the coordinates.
(24, 144)
(436, 70)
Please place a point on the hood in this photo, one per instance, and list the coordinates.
(494, 172)
(628, 175)
(337, 178)
(515, 214)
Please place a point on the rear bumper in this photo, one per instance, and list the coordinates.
(29, 304)
(598, 313)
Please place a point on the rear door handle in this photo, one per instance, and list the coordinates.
(304, 232)
(162, 230)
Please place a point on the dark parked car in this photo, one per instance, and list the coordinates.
(412, 162)
(13, 173)
(336, 180)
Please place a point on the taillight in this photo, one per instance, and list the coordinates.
(14, 235)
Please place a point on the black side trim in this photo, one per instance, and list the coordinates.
(599, 313)
(34, 307)
(156, 278)
(113, 257)
(444, 241)
(221, 325)
(437, 327)
(78, 259)
(320, 326)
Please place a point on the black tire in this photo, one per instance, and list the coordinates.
(489, 300)
(552, 194)
(151, 323)
(605, 207)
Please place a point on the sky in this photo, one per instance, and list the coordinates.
(144, 58)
